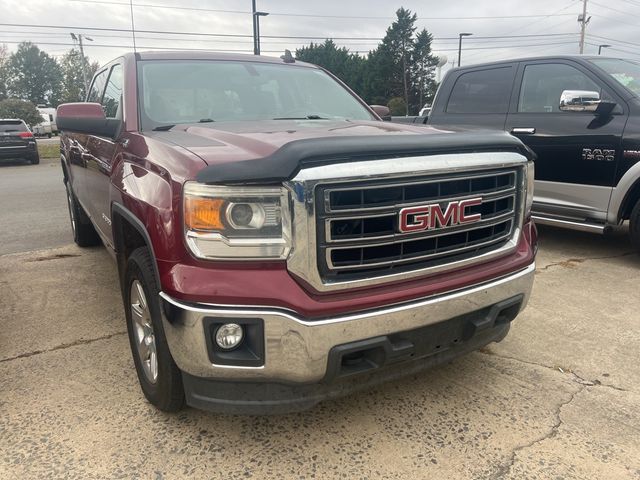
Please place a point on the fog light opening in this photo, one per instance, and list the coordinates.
(229, 336)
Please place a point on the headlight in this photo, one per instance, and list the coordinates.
(530, 183)
(237, 222)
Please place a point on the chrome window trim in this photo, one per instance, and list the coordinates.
(302, 261)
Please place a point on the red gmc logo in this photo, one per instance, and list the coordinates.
(427, 217)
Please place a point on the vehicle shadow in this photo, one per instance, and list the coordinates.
(13, 162)
(575, 245)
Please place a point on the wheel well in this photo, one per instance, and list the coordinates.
(127, 238)
(630, 200)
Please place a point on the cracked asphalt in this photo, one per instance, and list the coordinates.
(557, 399)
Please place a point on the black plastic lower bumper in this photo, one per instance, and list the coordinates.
(358, 365)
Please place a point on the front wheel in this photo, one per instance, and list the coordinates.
(634, 226)
(159, 376)
(35, 159)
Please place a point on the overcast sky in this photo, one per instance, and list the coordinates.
(614, 22)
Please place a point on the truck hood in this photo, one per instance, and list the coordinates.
(274, 151)
(218, 143)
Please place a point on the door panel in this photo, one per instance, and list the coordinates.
(573, 148)
(99, 157)
(572, 200)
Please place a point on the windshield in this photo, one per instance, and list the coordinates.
(174, 92)
(626, 72)
(12, 126)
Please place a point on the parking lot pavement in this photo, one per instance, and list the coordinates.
(33, 206)
(558, 398)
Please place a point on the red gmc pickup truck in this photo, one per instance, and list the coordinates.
(277, 243)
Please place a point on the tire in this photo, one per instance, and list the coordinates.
(84, 235)
(159, 376)
(634, 226)
(35, 159)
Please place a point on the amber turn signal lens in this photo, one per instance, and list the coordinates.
(203, 213)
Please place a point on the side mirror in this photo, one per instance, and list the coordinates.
(86, 118)
(382, 111)
(584, 101)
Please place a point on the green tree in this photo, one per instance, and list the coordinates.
(391, 60)
(423, 64)
(4, 56)
(73, 88)
(33, 75)
(397, 106)
(14, 108)
(347, 66)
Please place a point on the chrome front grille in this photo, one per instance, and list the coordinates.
(345, 217)
(358, 223)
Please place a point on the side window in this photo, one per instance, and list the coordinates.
(113, 93)
(97, 87)
(543, 84)
(482, 91)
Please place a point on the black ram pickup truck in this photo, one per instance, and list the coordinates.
(579, 114)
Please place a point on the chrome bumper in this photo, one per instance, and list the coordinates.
(297, 350)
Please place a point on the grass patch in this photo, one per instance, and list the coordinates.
(49, 150)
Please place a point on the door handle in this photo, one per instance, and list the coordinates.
(527, 131)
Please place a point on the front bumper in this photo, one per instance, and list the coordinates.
(297, 351)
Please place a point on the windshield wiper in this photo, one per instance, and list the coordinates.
(206, 120)
(163, 128)
(308, 117)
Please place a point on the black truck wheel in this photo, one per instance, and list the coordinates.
(634, 226)
(159, 376)
(83, 232)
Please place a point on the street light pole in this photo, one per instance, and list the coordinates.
(256, 27)
(600, 47)
(460, 44)
(256, 50)
(257, 16)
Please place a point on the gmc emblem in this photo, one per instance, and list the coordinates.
(427, 217)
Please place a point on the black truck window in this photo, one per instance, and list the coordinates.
(97, 87)
(543, 84)
(481, 91)
(113, 93)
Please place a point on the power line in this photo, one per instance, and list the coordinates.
(237, 35)
(313, 15)
(149, 47)
(624, 51)
(355, 42)
(626, 14)
(617, 20)
(615, 40)
(631, 2)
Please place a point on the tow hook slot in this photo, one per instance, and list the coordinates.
(359, 357)
(498, 314)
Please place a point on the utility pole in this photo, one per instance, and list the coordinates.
(583, 20)
(83, 62)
